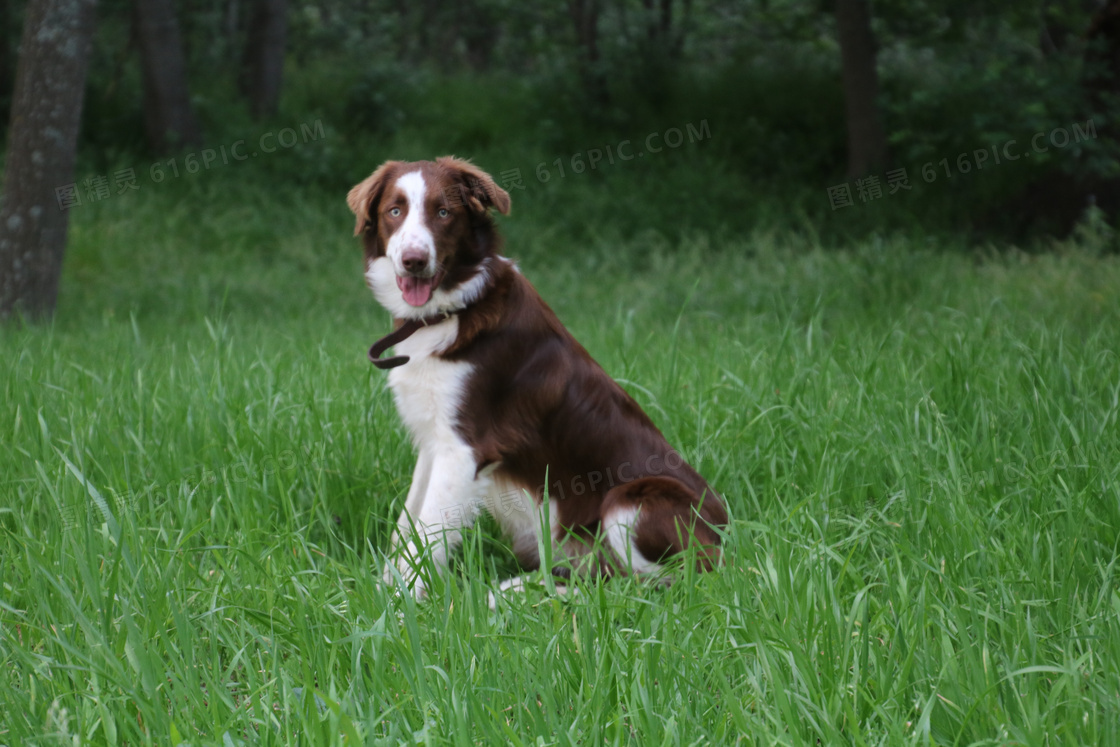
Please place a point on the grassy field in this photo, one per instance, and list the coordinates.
(919, 446)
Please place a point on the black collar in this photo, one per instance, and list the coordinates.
(400, 334)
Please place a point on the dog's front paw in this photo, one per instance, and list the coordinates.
(402, 576)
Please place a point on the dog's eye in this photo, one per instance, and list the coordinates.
(395, 212)
(443, 212)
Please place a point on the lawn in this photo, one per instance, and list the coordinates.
(918, 442)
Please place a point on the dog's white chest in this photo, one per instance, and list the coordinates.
(428, 390)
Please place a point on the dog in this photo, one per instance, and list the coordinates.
(508, 412)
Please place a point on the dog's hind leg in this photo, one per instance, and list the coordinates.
(519, 584)
(647, 521)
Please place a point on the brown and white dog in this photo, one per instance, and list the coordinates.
(500, 399)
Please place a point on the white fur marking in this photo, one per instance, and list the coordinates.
(618, 528)
(427, 389)
(414, 232)
(381, 277)
(521, 519)
(446, 495)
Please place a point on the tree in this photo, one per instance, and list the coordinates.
(476, 23)
(585, 18)
(665, 37)
(5, 52)
(169, 120)
(42, 147)
(659, 44)
(262, 69)
(867, 141)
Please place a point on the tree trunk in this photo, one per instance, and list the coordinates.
(1102, 56)
(6, 77)
(660, 27)
(475, 23)
(42, 146)
(262, 70)
(169, 120)
(232, 28)
(585, 17)
(1053, 34)
(867, 142)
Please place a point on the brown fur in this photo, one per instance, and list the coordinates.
(537, 404)
(462, 241)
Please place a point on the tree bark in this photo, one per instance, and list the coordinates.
(475, 23)
(169, 121)
(42, 146)
(6, 77)
(585, 18)
(1102, 56)
(262, 70)
(659, 24)
(867, 141)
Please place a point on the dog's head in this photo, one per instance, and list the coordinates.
(427, 232)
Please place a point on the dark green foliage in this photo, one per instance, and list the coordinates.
(508, 83)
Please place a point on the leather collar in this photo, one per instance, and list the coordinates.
(400, 334)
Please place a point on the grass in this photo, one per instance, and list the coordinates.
(919, 446)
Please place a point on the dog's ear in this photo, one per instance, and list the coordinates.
(478, 190)
(367, 193)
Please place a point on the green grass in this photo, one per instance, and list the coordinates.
(919, 447)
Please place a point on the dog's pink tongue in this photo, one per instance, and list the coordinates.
(416, 291)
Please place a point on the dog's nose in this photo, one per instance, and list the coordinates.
(414, 260)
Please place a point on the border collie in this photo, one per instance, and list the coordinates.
(504, 406)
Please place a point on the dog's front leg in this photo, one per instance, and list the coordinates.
(416, 491)
(449, 497)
